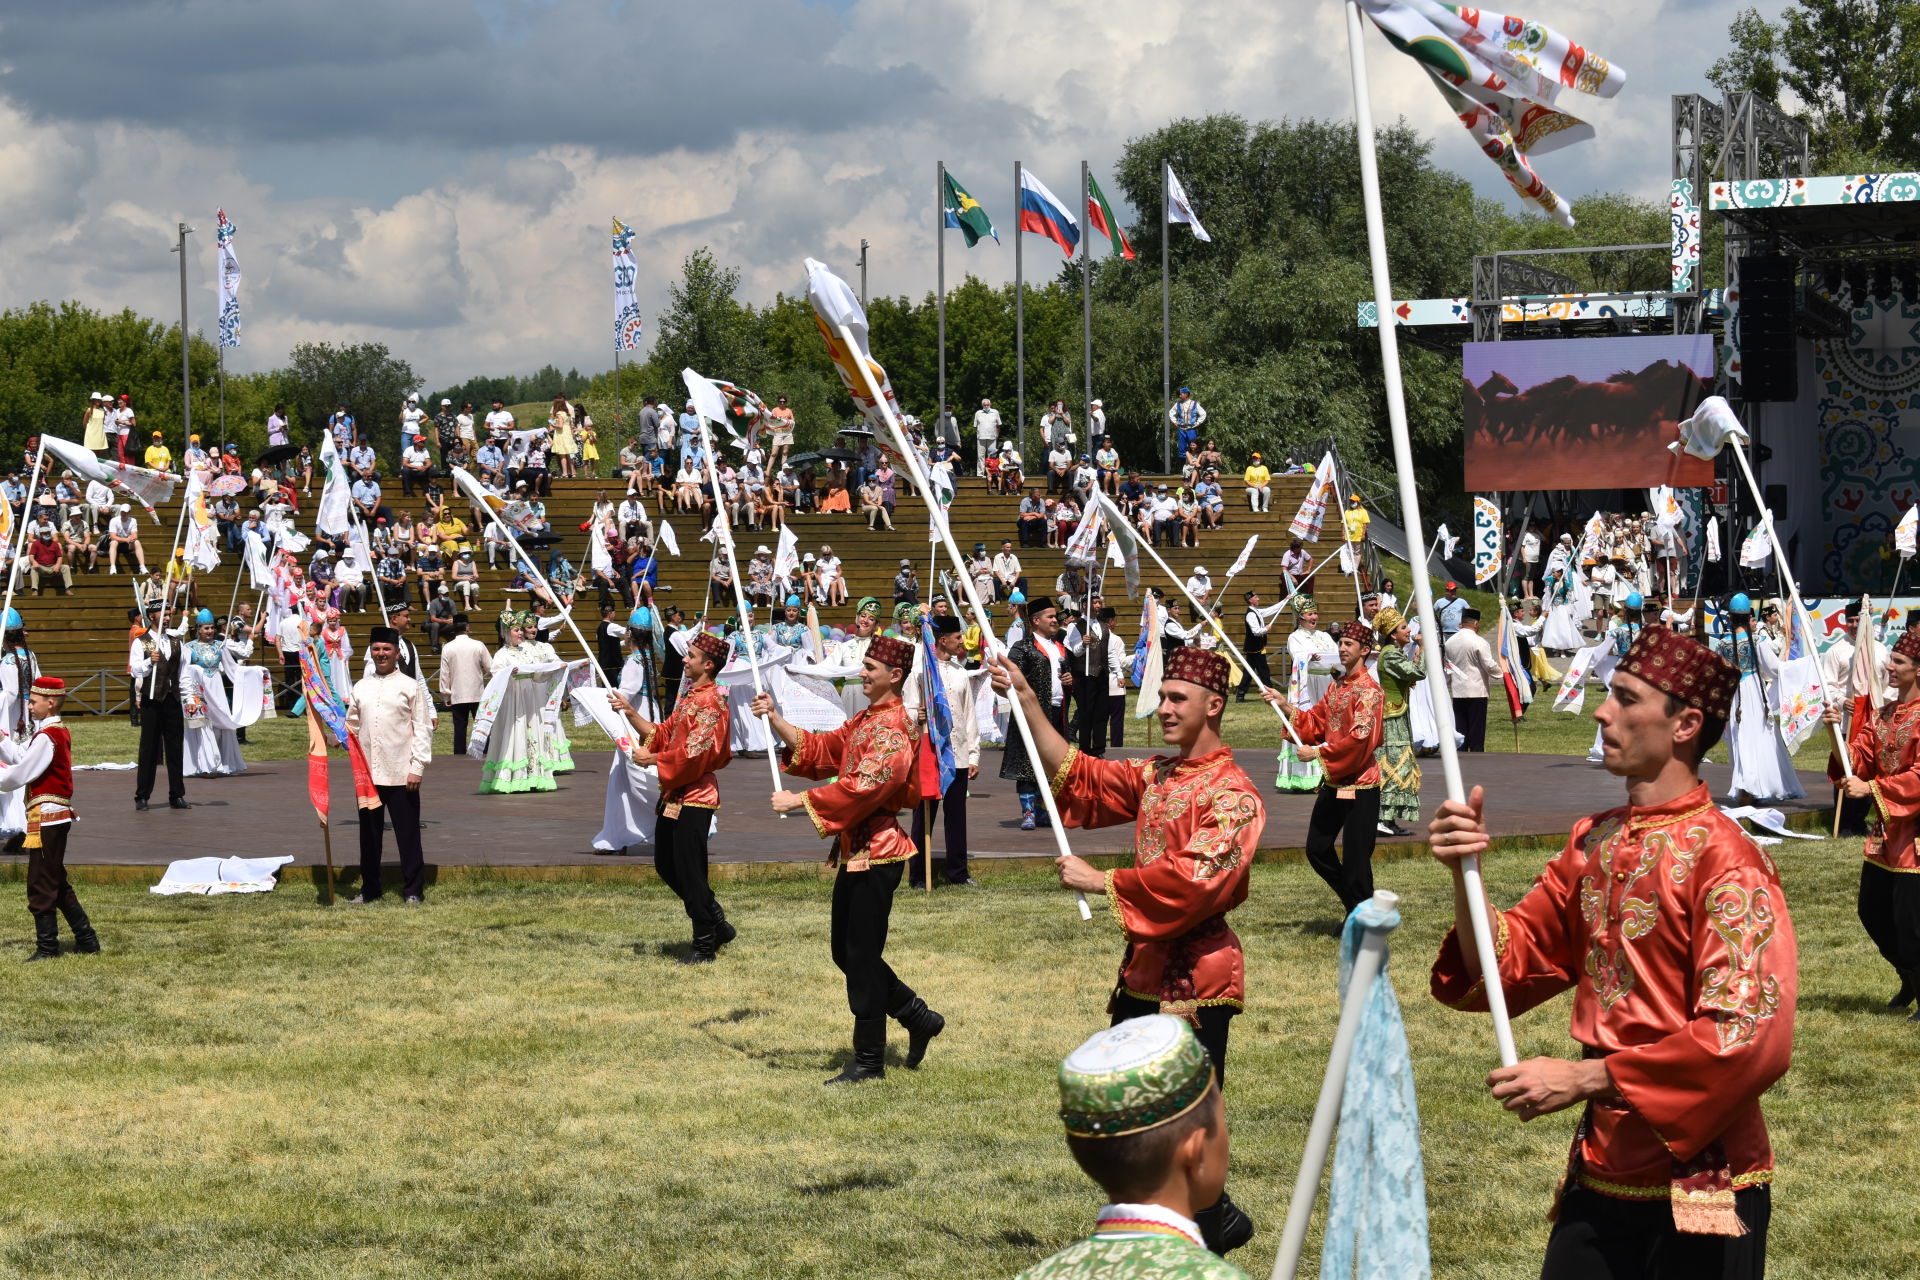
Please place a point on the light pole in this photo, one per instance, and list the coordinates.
(863, 273)
(186, 365)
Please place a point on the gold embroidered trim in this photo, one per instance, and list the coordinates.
(1058, 782)
(1645, 824)
(819, 827)
(1620, 1191)
(1899, 871)
(1119, 918)
(1154, 999)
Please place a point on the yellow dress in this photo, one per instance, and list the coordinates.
(589, 445)
(562, 434)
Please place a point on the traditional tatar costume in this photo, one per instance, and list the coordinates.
(1197, 821)
(852, 651)
(1762, 769)
(208, 749)
(1885, 749)
(1313, 658)
(527, 745)
(1671, 928)
(1130, 1079)
(40, 768)
(1348, 726)
(871, 760)
(690, 747)
(1397, 675)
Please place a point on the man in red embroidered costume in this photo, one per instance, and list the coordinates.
(1671, 928)
(1885, 747)
(688, 748)
(871, 759)
(1342, 731)
(43, 768)
(1197, 821)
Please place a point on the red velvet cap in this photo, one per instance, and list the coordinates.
(889, 652)
(49, 684)
(1684, 668)
(1909, 644)
(1197, 666)
(712, 647)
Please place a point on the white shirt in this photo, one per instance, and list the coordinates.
(416, 456)
(959, 687)
(123, 526)
(500, 420)
(465, 665)
(986, 423)
(411, 416)
(463, 425)
(389, 715)
(99, 496)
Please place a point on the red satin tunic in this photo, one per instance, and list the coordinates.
(871, 759)
(1670, 925)
(1346, 724)
(1197, 822)
(1886, 753)
(691, 744)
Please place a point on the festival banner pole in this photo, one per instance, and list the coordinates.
(940, 280)
(1166, 329)
(166, 582)
(1112, 513)
(989, 642)
(1410, 509)
(1086, 304)
(723, 528)
(1019, 327)
(20, 534)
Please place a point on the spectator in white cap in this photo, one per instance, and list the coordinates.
(1200, 585)
(760, 576)
(413, 419)
(1096, 426)
(123, 538)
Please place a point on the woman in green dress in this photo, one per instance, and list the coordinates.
(1399, 769)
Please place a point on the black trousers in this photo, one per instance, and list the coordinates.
(163, 729)
(290, 681)
(1853, 813)
(1470, 718)
(1890, 913)
(462, 717)
(47, 887)
(862, 903)
(1256, 666)
(1117, 720)
(403, 808)
(1351, 822)
(1600, 1238)
(680, 859)
(953, 833)
(1090, 713)
(1215, 1020)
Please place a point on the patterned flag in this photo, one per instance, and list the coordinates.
(967, 215)
(627, 324)
(229, 281)
(1508, 655)
(1101, 219)
(1153, 663)
(1486, 540)
(1180, 209)
(1501, 76)
(1313, 509)
(937, 767)
(1124, 542)
(1904, 536)
(143, 485)
(1757, 549)
(835, 305)
(941, 478)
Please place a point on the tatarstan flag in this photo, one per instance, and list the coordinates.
(1100, 218)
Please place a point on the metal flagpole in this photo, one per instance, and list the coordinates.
(166, 584)
(1086, 302)
(1416, 533)
(20, 540)
(989, 642)
(1166, 330)
(1019, 329)
(940, 282)
(221, 352)
(186, 366)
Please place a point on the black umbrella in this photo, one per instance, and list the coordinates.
(538, 540)
(840, 455)
(274, 455)
(857, 431)
(802, 459)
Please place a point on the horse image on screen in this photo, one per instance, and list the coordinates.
(1583, 413)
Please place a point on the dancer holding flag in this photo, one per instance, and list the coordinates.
(390, 717)
(688, 748)
(1671, 928)
(942, 649)
(1197, 821)
(872, 761)
(42, 767)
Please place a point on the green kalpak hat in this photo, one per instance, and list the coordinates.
(1132, 1077)
(1305, 604)
(868, 604)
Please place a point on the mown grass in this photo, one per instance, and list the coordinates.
(516, 1080)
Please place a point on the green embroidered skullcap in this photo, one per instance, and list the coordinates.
(1135, 1076)
(1305, 604)
(868, 604)
(905, 609)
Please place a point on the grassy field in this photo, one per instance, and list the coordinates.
(517, 1081)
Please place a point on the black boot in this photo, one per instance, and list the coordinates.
(922, 1025)
(1904, 996)
(701, 952)
(85, 941)
(869, 1052)
(723, 932)
(1224, 1227)
(46, 936)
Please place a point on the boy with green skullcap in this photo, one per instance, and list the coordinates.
(1144, 1120)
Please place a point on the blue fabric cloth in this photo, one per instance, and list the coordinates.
(1377, 1203)
(939, 711)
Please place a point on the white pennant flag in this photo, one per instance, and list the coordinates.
(668, 539)
(1448, 543)
(1080, 547)
(1757, 549)
(1708, 430)
(1180, 209)
(1904, 536)
(786, 555)
(707, 399)
(599, 558)
(1246, 557)
(333, 514)
(1713, 539)
(1313, 509)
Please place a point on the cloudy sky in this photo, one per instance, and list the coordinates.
(438, 175)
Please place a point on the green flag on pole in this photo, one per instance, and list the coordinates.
(966, 213)
(1100, 218)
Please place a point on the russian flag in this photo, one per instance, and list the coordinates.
(1043, 214)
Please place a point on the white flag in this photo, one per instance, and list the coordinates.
(708, 402)
(1904, 536)
(786, 555)
(1151, 671)
(1246, 557)
(627, 322)
(1124, 541)
(1756, 550)
(1306, 521)
(599, 558)
(667, 539)
(229, 281)
(1180, 209)
(941, 479)
(1708, 430)
(259, 572)
(332, 516)
(1080, 547)
(1448, 543)
(1713, 539)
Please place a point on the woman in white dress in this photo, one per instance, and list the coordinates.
(1762, 769)
(208, 751)
(1314, 656)
(525, 749)
(1561, 633)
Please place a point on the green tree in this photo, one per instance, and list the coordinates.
(706, 329)
(365, 376)
(1852, 65)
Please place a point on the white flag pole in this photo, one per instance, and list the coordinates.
(858, 355)
(1367, 965)
(1113, 513)
(723, 527)
(1410, 511)
(20, 534)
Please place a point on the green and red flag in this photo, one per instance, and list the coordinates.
(1100, 219)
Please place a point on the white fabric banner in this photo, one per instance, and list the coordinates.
(229, 281)
(627, 322)
(1307, 520)
(1180, 209)
(220, 875)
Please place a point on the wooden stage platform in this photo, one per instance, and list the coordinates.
(265, 811)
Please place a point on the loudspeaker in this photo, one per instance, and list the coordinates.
(1769, 363)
